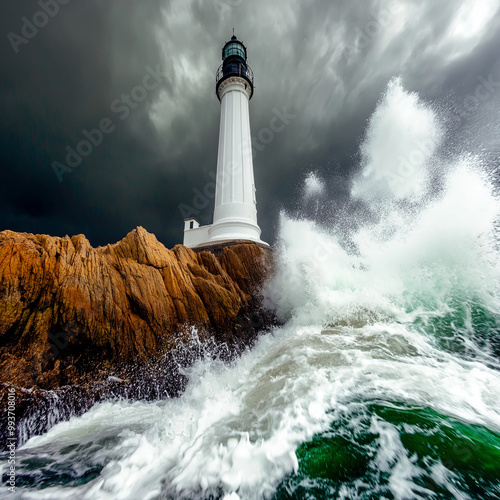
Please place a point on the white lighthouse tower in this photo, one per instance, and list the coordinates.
(235, 214)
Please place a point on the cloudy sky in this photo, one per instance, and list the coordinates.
(145, 73)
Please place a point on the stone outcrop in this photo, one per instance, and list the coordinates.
(74, 315)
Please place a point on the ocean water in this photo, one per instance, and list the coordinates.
(383, 383)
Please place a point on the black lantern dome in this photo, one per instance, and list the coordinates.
(234, 57)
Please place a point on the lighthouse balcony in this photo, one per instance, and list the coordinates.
(234, 68)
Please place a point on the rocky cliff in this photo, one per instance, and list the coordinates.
(73, 315)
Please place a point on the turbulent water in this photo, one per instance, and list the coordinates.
(383, 383)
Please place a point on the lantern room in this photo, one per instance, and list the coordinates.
(234, 56)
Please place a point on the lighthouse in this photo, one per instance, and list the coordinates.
(235, 213)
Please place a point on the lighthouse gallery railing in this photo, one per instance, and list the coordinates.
(234, 69)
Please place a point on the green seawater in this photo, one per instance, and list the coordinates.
(461, 323)
(71, 466)
(439, 458)
(444, 458)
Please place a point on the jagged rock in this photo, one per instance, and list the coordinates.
(74, 315)
(65, 306)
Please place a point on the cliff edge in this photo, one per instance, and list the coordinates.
(74, 315)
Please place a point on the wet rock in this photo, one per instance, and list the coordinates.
(83, 324)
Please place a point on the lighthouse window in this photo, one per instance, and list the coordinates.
(191, 225)
(234, 49)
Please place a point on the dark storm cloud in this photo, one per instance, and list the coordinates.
(325, 63)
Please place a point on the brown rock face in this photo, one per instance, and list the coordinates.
(69, 311)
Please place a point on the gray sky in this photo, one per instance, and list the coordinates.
(322, 64)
